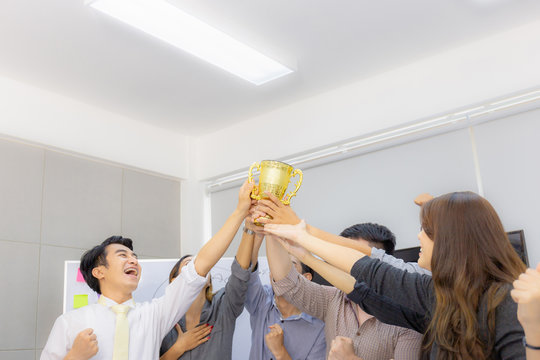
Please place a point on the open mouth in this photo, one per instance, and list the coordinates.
(131, 272)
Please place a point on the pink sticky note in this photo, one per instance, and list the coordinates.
(79, 276)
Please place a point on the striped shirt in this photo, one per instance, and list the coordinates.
(372, 339)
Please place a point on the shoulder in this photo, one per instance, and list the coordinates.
(507, 308)
(80, 313)
(218, 296)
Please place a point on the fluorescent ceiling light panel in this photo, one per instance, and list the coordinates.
(168, 23)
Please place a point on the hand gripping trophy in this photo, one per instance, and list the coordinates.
(274, 177)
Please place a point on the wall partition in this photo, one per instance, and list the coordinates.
(53, 207)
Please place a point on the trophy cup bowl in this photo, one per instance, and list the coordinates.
(274, 178)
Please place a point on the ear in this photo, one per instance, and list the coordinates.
(97, 272)
(308, 276)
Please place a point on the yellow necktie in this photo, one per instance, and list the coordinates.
(121, 333)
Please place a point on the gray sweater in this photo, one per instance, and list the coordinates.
(415, 292)
(226, 305)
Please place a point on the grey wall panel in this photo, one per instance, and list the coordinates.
(51, 287)
(81, 201)
(19, 283)
(151, 214)
(20, 192)
(508, 151)
(380, 186)
(17, 355)
(71, 204)
(375, 187)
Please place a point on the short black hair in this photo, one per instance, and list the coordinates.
(97, 256)
(374, 234)
(307, 269)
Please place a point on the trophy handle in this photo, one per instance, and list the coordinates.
(287, 199)
(255, 192)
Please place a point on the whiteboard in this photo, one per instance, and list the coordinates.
(154, 280)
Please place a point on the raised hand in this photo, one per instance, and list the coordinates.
(290, 232)
(280, 213)
(292, 248)
(422, 199)
(192, 338)
(526, 293)
(244, 198)
(84, 346)
(342, 349)
(249, 222)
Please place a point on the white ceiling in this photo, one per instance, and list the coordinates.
(68, 48)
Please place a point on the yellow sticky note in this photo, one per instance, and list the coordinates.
(79, 301)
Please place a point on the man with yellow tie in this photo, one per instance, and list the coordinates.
(117, 328)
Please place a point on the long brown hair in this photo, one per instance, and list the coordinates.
(175, 271)
(472, 263)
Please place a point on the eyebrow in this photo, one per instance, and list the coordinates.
(125, 251)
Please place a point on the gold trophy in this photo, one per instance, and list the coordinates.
(274, 177)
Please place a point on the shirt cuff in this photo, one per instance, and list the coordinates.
(358, 268)
(190, 275)
(239, 272)
(359, 293)
(287, 283)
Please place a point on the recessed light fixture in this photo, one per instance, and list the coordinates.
(168, 23)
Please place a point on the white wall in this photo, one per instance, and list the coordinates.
(489, 68)
(49, 119)
(380, 186)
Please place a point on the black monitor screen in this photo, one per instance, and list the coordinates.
(517, 239)
(409, 254)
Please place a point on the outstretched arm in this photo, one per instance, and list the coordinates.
(283, 214)
(237, 285)
(214, 249)
(278, 258)
(343, 281)
(341, 257)
(257, 240)
(245, 250)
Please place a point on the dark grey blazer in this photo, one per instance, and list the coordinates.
(226, 306)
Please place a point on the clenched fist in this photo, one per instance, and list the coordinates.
(274, 342)
(342, 349)
(84, 346)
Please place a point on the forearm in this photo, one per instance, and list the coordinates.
(214, 249)
(339, 240)
(335, 276)
(533, 338)
(341, 257)
(533, 354)
(245, 249)
(173, 353)
(278, 258)
(257, 241)
(70, 356)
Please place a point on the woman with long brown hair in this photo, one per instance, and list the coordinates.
(469, 312)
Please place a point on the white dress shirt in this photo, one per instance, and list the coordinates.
(149, 322)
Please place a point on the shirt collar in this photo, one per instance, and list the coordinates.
(302, 315)
(105, 301)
